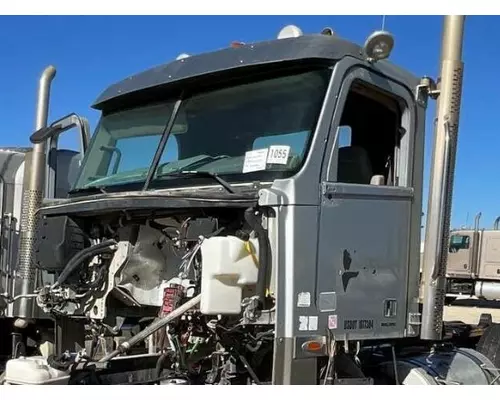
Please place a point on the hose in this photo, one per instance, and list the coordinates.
(78, 258)
(251, 217)
(152, 328)
(61, 362)
(160, 364)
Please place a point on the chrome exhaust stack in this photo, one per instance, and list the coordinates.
(442, 174)
(34, 174)
(495, 224)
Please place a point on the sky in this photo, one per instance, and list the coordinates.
(92, 52)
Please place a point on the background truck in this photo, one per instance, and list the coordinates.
(219, 232)
(474, 261)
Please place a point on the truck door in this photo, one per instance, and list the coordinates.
(368, 210)
(459, 255)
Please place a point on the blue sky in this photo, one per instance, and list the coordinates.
(92, 52)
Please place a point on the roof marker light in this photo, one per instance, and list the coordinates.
(290, 31)
(328, 31)
(181, 56)
(378, 45)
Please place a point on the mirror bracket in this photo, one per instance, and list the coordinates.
(50, 135)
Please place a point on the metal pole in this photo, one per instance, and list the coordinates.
(442, 172)
(34, 170)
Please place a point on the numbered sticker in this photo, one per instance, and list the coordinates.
(278, 155)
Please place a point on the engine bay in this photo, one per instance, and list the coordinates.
(125, 272)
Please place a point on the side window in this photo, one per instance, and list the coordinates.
(459, 242)
(344, 136)
(371, 138)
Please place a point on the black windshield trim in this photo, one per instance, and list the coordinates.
(163, 142)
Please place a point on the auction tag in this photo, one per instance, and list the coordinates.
(278, 155)
(255, 160)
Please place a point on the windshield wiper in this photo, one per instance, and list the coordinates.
(226, 185)
(88, 189)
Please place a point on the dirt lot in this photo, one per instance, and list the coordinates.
(468, 310)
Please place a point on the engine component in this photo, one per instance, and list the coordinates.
(33, 371)
(153, 328)
(229, 264)
(107, 246)
(171, 297)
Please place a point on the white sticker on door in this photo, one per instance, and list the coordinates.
(278, 155)
(255, 160)
(303, 322)
(304, 299)
(313, 324)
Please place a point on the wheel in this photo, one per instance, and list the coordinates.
(489, 344)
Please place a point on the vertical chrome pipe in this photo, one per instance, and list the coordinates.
(474, 254)
(476, 221)
(495, 224)
(34, 174)
(442, 174)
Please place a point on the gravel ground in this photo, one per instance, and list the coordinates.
(468, 310)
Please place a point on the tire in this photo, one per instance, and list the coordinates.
(489, 344)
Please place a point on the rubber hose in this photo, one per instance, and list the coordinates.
(78, 258)
(57, 362)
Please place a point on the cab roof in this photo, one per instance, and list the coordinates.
(312, 48)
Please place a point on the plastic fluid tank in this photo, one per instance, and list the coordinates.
(228, 265)
(33, 371)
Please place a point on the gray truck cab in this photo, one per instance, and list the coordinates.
(343, 216)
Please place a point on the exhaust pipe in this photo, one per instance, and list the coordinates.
(442, 172)
(34, 174)
(476, 222)
(495, 224)
(474, 254)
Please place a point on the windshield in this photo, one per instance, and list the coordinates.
(258, 130)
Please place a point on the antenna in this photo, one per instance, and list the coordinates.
(383, 22)
(467, 220)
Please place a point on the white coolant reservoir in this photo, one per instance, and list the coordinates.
(33, 371)
(228, 265)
